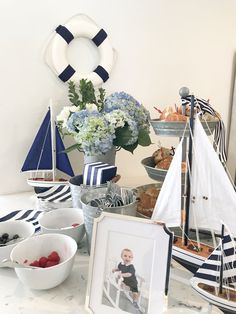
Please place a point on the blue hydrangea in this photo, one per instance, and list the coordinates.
(131, 106)
(94, 131)
(76, 120)
(95, 135)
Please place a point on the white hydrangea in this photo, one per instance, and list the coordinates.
(74, 108)
(65, 114)
(116, 118)
(91, 107)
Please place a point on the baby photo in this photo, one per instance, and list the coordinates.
(127, 273)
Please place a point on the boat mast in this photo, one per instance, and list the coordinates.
(184, 92)
(221, 260)
(52, 123)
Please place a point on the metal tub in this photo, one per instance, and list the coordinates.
(91, 212)
(176, 128)
(155, 173)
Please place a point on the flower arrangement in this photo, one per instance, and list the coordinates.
(97, 123)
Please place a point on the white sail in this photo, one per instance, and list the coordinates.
(211, 190)
(168, 205)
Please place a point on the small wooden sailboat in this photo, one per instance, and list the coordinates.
(47, 155)
(212, 199)
(215, 280)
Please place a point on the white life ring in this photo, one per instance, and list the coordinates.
(56, 53)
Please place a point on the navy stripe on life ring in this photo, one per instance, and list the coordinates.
(65, 33)
(102, 73)
(100, 37)
(66, 74)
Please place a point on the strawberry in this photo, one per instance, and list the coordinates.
(54, 257)
(75, 225)
(50, 263)
(35, 263)
(42, 261)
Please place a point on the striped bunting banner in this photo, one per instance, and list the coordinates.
(55, 194)
(30, 215)
(219, 136)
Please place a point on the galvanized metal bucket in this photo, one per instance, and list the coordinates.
(157, 174)
(176, 128)
(76, 190)
(91, 212)
(109, 157)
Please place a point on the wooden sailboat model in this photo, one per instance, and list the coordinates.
(215, 280)
(212, 199)
(47, 155)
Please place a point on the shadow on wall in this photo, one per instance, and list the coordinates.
(231, 131)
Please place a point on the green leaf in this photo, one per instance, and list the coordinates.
(122, 136)
(130, 148)
(87, 92)
(101, 99)
(72, 147)
(72, 94)
(144, 138)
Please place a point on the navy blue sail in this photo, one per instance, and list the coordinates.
(40, 154)
(62, 160)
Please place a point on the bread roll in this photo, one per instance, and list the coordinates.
(184, 166)
(147, 201)
(164, 163)
(176, 117)
(152, 192)
(168, 110)
(161, 153)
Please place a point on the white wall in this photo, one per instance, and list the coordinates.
(161, 45)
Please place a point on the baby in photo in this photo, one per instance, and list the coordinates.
(126, 271)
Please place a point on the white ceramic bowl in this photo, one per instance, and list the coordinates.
(23, 228)
(61, 220)
(42, 245)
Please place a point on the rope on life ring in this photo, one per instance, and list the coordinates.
(76, 27)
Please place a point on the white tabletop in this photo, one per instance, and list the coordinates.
(69, 297)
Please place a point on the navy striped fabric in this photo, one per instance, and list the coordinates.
(30, 215)
(219, 136)
(209, 272)
(56, 194)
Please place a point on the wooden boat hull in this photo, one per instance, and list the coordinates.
(189, 259)
(225, 305)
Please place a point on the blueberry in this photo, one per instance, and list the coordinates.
(16, 236)
(5, 236)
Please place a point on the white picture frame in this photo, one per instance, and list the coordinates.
(135, 243)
